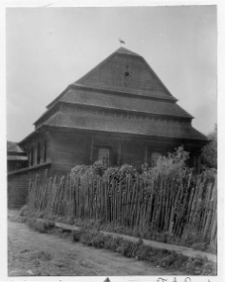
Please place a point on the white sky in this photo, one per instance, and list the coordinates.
(49, 48)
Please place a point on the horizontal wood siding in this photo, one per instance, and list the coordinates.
(18, 184)
(44, 140)
(69, 150)
(133, 153)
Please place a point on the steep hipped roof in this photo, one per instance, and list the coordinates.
(125, 71)
(125, 82)
(151, 128)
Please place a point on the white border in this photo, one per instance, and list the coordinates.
(221, 131)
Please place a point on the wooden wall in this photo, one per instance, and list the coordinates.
(68, 150)
(44, 140)
(15, 165)
(18, 185)
(133, 153)
(72, 149)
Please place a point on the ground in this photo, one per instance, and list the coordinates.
(33, 253)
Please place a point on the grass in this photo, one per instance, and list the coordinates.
(41, 226)
(90, 236)
(139, 251)
(190, 238)
(14, 216)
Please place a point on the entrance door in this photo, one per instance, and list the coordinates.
(103, 155)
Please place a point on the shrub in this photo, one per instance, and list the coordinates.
(76, 235)
(98, 168)
(98, 240)
(23, 211)
(209, 152)
(42, 226)
(174, 162)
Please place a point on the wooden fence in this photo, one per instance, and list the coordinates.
(175, 204)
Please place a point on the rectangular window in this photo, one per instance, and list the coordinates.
(45, 151)
(103, 155)
(32, 156)
(35, 156)
(38, 153)
(154, 158)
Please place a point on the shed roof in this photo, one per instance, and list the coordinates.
(154, 128)
(14, 147)
(17, 158)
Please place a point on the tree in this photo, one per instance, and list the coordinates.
(209, 152)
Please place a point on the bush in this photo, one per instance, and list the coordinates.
(209, 152)
(174, 162)
(98, 168)
(76, 235)
(163, 258)
(42, 226)
(23, 211)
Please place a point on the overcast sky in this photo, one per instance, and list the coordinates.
(49, 48)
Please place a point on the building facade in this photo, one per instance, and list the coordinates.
(119, 112)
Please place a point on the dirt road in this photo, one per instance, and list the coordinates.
(33, 253)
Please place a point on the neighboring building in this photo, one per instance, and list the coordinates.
(119, 112)
(16, 157)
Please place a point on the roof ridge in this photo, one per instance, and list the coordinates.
(123, 50)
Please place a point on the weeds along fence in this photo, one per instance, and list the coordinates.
(176, 203)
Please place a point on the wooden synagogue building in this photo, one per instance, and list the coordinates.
(119, 112)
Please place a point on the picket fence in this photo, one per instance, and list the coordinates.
(177, 204)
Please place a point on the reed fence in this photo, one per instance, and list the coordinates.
(176, 204)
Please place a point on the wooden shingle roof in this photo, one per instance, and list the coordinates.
(13, 147)
(151, 128)
(122, 82)
(17, 158)
(120, 102)
(125, 71)
(15, 152)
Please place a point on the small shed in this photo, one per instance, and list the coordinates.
(16, 157)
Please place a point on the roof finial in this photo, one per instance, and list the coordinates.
(121, 42)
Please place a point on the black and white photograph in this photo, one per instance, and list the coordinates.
(111, 132)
